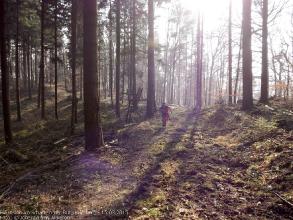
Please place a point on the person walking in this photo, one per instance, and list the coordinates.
(165, 112)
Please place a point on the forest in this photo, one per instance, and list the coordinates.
(146, 109)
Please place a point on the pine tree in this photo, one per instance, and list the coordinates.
(247, 57)
(151, 95)
(5, 76)
(73, 65)
(111, 53)
(230, 55)
(93, 135)
(17, 92)
(56, 58)
(42, 64)
(264, 74)
(117, 106)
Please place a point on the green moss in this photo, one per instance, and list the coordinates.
(261, 124)
(154, 212)
(154, 199)
(23, 133)
(260, 128)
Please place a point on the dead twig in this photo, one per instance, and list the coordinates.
(283, 199)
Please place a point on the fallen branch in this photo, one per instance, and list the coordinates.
(60, 141)
(283, 199)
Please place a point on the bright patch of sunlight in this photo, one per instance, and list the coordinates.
(212, 10)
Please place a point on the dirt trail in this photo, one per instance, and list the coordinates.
(180, 172)
(196, 178)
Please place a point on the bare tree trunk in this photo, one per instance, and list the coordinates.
(179, 78)
(5, 77)
(247, 57)
(32, 67)
(73, 66)
(124, 56)
(133, 55)
(264, 74)
(36, 69)
(151, 95)
(17, 93)
(42, 64)
(186, 75)
(56, 59)
(166, 64)
(230, 54)
(111, 54)
(24, 67)
(173, 76)
(50, 67)
(199, 67)
(93, 131)
(238, 68)
(288, 83)
(81, 83)
(28, 72)
(117, 106)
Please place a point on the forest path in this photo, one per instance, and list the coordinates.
(193, 178)
(201, 174)
(190, 170)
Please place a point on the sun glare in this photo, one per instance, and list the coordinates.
(212, 10)
(195, 5)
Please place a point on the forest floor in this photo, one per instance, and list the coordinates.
(220, 164)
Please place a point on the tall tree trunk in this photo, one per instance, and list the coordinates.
(288, 83)
(50, 67)
(151, 94)
(93, 131)
(28, 71)
(186, 76)
(56, 59)
(5, 76)
(73, 65)
(133, 55)
(80, 85)
(24, 67)
(111, 54)
(238, 68)
(166, 64)
(17, 93)
(199, 67)
(64, 70)
(42, 64)
(36, 68)
(230, 55)
(247, 57)
(179, 70)
(117, 106)
(173, 75)
(124, 54)
(32, 67)
(264, 73)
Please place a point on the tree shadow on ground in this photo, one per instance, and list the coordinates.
(142, 188)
